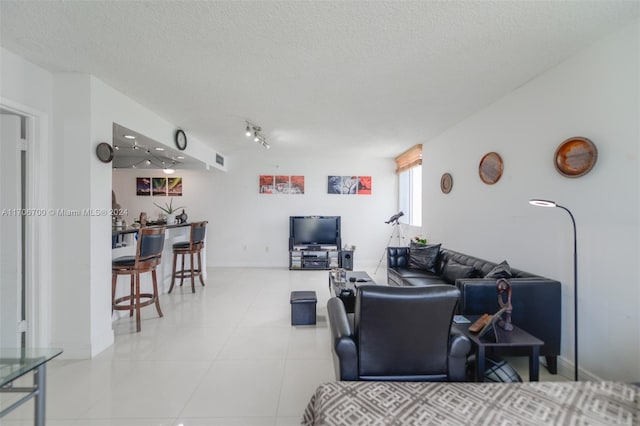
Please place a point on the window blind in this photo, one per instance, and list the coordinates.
(410, 158)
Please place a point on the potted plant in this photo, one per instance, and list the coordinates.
(169, 210)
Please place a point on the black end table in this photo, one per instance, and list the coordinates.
(514, 338)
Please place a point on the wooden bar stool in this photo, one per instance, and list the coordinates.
(191, 247)
(148, 256)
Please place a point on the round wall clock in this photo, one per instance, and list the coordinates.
(181, 140)
(575, 157)
(104, 152)
(490, 168)
(446, 183)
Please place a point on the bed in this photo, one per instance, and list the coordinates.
(532, 403)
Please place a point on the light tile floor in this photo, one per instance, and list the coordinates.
(226, 355)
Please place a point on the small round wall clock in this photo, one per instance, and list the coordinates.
(181, 140)
(104, 152)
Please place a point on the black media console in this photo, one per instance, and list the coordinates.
(314, 243)
(322, 258)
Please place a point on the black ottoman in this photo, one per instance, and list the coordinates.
(303, 307)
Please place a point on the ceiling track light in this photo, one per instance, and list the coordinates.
(167, 165)
(254, 130)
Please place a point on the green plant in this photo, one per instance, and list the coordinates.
(421, 240)
(168, 207)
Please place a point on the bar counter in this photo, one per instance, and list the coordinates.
(119, 230)
(173, 234)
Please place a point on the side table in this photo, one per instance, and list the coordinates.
(15, 363)
(514, 338)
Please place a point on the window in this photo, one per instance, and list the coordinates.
(409, 170)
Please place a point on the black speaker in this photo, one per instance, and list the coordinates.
(346, 260)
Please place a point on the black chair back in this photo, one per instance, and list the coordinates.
(198, 231)
(150, 243)
(403, 333)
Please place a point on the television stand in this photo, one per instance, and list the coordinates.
(314, 258)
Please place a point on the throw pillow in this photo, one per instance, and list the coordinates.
(453, 270)
(502, 270)
(424, 256)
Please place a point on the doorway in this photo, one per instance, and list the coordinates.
(14, 215)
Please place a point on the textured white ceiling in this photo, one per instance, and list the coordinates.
(376, 77)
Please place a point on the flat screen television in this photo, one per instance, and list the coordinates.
(314, 230)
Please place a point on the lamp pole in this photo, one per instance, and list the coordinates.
(546, 203)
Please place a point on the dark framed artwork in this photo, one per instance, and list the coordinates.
(143, 186)
(159, 186)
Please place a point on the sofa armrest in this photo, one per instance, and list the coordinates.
(536, 305)
(343, 345)
(459, 347)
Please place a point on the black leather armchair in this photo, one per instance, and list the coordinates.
(399, 334)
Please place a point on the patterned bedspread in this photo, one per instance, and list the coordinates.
(533, 403)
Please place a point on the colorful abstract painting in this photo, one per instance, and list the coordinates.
(265, 184)
(281, 184)
(349, 185)
(364, 185)
(174, 187)
(297, 185)
(159, 186)
(143, 186)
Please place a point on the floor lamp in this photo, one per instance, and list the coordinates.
(547, 203)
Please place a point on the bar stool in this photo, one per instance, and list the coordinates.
(148, 256)
(191, 247)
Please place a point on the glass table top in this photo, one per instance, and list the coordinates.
(17, 362)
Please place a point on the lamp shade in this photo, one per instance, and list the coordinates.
(542, 203)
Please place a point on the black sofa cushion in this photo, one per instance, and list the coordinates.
(424, 256)
(453, 270)
(423, 281)
(501, 270)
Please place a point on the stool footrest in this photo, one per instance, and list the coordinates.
(148, 300)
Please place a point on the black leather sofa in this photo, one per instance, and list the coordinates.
(535, 299)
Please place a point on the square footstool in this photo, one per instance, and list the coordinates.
(303, 307)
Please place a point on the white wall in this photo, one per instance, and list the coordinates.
(251, 229)
(195, 184)
(595, 95)
(71, 189)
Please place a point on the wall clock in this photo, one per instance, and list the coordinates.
(181, 140)
(490, 168)
(104, 152)
(575, 157)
